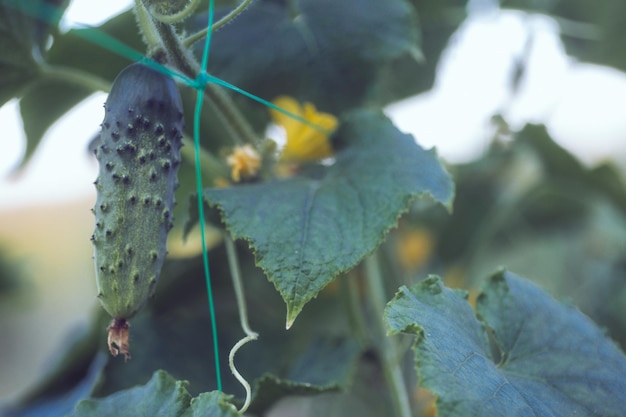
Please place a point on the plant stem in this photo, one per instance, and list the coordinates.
(176, 17)
(146, 27)
(228, 112)
(350, 291)
(76, 77)
(387, 347)
(233, 263)
(191, 39)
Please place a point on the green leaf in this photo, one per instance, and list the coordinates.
(327, 366)
(24, 29)
(325, 51)
(50, 98)
(367, 396)
(307, 230)
(406, 76)
(211, 404)
(590, 31)
(17, 63)
(43, 104)
(551, 360)
(162, 396)
(62, 404)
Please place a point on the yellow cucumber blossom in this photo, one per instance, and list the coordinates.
(244, 162)
(304, 142)
(414, 248)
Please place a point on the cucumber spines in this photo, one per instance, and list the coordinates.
(139, 155)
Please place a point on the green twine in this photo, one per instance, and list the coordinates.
(201, 82)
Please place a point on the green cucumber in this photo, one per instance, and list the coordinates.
(139, 155)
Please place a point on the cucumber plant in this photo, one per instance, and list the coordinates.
(328, 240)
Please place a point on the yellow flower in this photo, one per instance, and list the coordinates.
(414, 248)
(244, 162)
(304, 142)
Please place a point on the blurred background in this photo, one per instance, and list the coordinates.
(507, 63)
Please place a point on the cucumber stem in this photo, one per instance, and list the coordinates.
(119, 333)
(146, 27)
(387, 347)
(236, 124)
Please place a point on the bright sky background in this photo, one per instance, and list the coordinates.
(582, 105)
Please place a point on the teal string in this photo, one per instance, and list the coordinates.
(201, 82)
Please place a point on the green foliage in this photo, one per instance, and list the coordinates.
(530, 205)
(51, 96)
(161, 396)
(527, 204)
(548, 358)
(306, 230)
(591, 32)
(320, 51)
(17, 41)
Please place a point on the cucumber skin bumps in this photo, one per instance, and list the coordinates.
(139, 155)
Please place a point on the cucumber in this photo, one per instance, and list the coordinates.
(139, 155)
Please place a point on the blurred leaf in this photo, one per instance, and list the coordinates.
(408, 74)
(24, 29)
(583, 262)
(530, 186)
(307, 230)
(48, 16)
(162, 396)
(550, 359)
(61, 405)
(50, 98)
(324, 52)
(43, 104)
(563, 168)
(10, 275)
(326, 366)
(367, 396)
(591, 32)
(18, 66)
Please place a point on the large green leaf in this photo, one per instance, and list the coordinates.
(162, 396)
(550, 359)
(51, 97)
(17, 41)
(307, 230)
(324, 51)
(24, 29)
